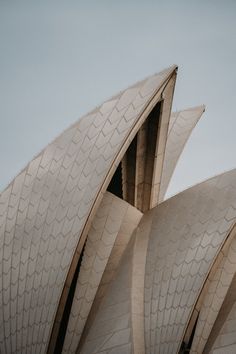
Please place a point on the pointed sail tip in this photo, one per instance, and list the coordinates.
(173, 68)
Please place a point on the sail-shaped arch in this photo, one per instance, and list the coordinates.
(47, 210)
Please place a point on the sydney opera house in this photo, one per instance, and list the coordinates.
(95, 260)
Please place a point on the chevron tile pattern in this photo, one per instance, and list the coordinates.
(45, 208)
(226, 340)
(187, 233)
(111, 328)
(129, 224)
(183, 235)
(180, 127)
(106, 227)
(93, 261)
(216, 293)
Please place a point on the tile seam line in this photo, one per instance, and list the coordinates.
(73, 124)
(153, 100)
(226, 242)
(182, 149)
(107, 218)
(163, 158)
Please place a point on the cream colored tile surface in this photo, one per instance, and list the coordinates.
(111, 328)
(105, 229)
(226, 340)
(143, 278)
(182, 236)
(46, 207)
(187, 233)
(217, 289)
(180, 127)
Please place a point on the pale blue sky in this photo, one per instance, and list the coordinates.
(59, 59)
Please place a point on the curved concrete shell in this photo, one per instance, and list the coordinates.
(150, 303)
(180, 255)
(217, 287)
(180, 127)
(91, 260)
(46, 211)
(106, 228)
(222, 338)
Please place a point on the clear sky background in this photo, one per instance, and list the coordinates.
(59, 59)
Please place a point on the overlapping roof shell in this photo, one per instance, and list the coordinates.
(75, 275)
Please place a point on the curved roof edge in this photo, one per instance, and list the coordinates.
(164, 270)
(180, 128)
(187, 234)
(146, 97)
(47, 209)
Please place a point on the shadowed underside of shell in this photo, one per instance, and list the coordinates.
(92, 259)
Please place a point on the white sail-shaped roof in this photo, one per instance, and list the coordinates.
(45, 213)
(149, 304)
(180, 127)
(92, 260)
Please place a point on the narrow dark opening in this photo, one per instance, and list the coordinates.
(226, 307)
(67, 309)
(132, 180)
(151, 127)
(115, 185)
(186, 347)
(129, 171)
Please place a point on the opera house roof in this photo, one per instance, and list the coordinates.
(95, 260)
